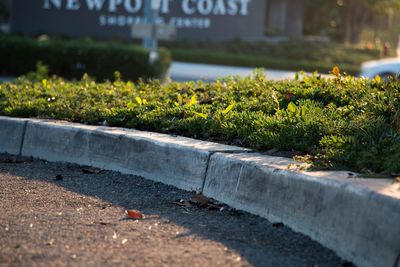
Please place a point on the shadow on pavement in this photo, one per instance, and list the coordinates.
(258, 241)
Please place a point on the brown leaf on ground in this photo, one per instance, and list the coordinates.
(200, 200)
(134, 214)
(205, 202)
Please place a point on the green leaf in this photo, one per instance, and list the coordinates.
(180, 99)
(229, 108)
(204, 116)
(130, 105)
(292, 107)
(193, 100)
(275, 98)
(303, 111)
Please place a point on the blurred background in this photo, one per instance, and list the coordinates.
(288, 35)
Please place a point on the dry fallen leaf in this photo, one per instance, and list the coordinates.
(205, 202)
(134, 214)
(200, 200)
(335, 71)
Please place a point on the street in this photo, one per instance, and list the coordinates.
(55, 214)
(183, 72)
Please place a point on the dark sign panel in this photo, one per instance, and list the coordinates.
(194, 19)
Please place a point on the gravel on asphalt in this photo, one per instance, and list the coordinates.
(56, 214)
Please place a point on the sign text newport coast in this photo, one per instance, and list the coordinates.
(120, 13)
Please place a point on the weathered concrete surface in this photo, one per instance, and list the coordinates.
(57, 142)
(157, 160)
(11, 134)
(358, 218)
(177, 161)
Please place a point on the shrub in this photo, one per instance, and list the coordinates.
(290, 55)
(73, 58)
(339, 121)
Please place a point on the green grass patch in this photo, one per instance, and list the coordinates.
(300, 55)
(341, 122)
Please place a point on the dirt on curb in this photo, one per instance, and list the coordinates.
(55, 214)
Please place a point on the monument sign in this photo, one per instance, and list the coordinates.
(194, 19)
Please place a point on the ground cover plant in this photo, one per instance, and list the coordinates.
(288, 55)
(339, 122)
(71, 58)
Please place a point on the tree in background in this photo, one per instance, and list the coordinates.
(358, 14)
(4, 10)
(345, 20)
(322, 17)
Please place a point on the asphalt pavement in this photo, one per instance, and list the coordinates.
(55, 214)
(6, 79)
(183, 72)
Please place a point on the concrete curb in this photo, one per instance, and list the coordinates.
(357, 218)
(158, 157)
(12, 132)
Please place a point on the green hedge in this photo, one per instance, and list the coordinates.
(255, 61)
(341, 122)
(290, 55)
(74, 58)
